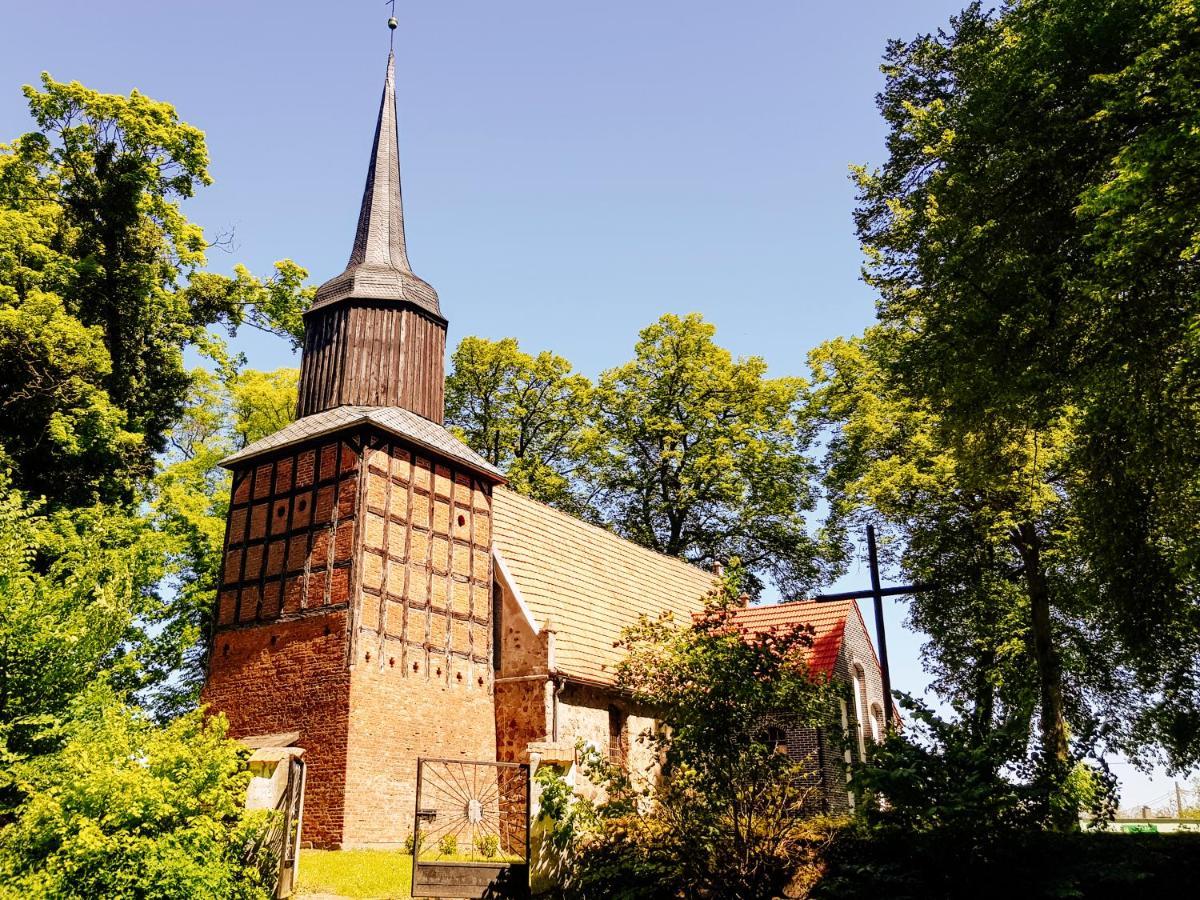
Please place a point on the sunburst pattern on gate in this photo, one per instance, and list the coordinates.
(471, 812)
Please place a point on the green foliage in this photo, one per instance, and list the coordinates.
(102, 289)
(448, 845)
(487, 845)
(129, 810)
(74, 586)
(944, 776)
(685, 449)
(730, 815)
(225, 411)
(981, 517)
(523, 413)
(1024, 416)
(106, 582)
(702, 455)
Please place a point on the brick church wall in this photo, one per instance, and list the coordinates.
(828, 752)
(422, 679)
(522, 712)
(279, 654)
(355, 608)
(292, 676)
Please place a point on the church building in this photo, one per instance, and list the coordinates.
(385, 597)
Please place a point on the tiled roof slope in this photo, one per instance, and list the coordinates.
(827, 619)
(394, 419)
(589, 581)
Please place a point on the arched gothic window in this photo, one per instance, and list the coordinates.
(860, 709)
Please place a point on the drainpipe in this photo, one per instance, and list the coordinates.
(552, 679)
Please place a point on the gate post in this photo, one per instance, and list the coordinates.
(277, 784)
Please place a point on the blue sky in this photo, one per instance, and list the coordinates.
(571, 170)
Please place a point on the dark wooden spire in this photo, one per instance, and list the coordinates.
(375, 335)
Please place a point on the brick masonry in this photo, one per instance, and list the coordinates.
(355, 608)
(829, 752)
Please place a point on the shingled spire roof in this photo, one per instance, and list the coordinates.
(378, 268)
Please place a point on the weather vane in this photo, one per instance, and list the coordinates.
(392, 23)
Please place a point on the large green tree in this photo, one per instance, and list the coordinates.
(226, 409)
(956, 512)
(525, 414)
(1032, 236)
(102, 288)
(701, 455)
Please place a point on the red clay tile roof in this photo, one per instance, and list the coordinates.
(827, 619)
(589, 581)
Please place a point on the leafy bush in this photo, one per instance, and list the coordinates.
(448, 845)
(487, 845)
(956, 777)
(729, 816)
(129, 810)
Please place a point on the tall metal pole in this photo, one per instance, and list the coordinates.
(877, 596)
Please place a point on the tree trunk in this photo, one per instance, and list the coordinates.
(1052, 720)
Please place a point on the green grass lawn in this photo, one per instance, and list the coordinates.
(355, 873)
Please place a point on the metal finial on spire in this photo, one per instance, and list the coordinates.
(392, 23)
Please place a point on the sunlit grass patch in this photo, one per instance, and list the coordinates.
(375, 874)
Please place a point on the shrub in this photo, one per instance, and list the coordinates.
(448, 845)
(130, 810)
(729, 815)
(487, 845)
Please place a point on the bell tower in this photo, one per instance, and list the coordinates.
(353, 613)
(375, 335)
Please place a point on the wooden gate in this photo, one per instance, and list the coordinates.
(471, 832)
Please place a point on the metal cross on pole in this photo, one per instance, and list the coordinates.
(876, 592)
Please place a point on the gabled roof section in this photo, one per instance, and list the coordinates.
(827, 619)
(591, 582)
(393, 419)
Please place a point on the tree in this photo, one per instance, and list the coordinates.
(102, 288)
(74, 588)
(729, 815)
(962, 507)
(524, 414)
(226, 411)
(1031, 250)
(702, 456)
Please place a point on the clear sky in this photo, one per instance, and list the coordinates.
(571, 170)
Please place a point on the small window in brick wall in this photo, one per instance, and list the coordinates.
(616, 736)
(776, 739)
(876, 722)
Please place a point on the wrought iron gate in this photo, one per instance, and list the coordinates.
(471, 832)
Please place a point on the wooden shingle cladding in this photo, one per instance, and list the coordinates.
(365, 353)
